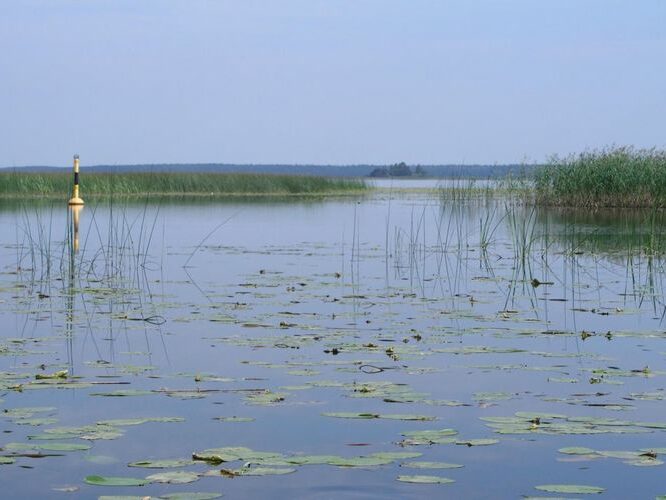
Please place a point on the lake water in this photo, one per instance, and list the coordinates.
(342, 348)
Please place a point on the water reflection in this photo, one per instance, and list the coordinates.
(74, 216)
(174, 300)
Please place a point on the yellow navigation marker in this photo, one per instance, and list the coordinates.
(75, 199)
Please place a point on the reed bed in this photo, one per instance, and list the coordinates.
(612, 177)
(18, 184)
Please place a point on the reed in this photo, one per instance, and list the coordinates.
(18, 184)
(612, 177)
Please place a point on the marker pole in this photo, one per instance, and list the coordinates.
(75, 199)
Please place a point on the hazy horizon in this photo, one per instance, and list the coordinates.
(327, 83)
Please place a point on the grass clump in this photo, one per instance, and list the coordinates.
(16, 183)
(613, 177)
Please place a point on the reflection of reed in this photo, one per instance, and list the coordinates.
(583, 261)
(608, 231)
(74, 216)
(115, 271)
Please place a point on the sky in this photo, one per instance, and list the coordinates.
(328, 81)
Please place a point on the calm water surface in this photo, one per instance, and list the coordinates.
(523, 332)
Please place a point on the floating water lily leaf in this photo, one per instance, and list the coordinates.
(265, 398)
(74, 430)
(425, 479)
(6, 460)
(408, 417)
(139, 421)
(36, 421)
(196, 394)
(115, 481)
(571, 488)
(576, 450)
(622, 455)
(102, 433)
(491, 396)
(477, 442)
(161, 464)
(179, 477)
(234, 419)
(430, 434)
(231, 454)
(26, 412)
(256, 471)
(531, 415)
(430, 465)
(48, 446)
(377, 415)
(56, 375)
(644, 462)
(345, 414)
(312, 459)
(52, 437)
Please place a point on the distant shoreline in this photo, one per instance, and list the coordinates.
(450, 171)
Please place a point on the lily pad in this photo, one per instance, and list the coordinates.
(422, 418)
(477, 442)
(644, 462)
(311, 459)
(431, 435)
(47, 446)
(425, 479)
(231, 454)
(577, 450)
(161, 464)
(139, 421)
(258, 471)
(234, 419)
(571, 488)
(115, 481)
(179, 477)
(102, 433)
(345, 414)
(36, 421)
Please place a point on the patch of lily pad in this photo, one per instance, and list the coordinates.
(368, 416)
(115, 481)
(577, 489)
(420, 479)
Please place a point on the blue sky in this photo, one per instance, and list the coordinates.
(335, 82)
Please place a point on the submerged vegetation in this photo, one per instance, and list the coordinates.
(614, 177)
(16, 183)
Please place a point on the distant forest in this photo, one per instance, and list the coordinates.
(396, 170)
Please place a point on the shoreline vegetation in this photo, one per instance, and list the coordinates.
(618, 177)
(18, 184)
(614, 177)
